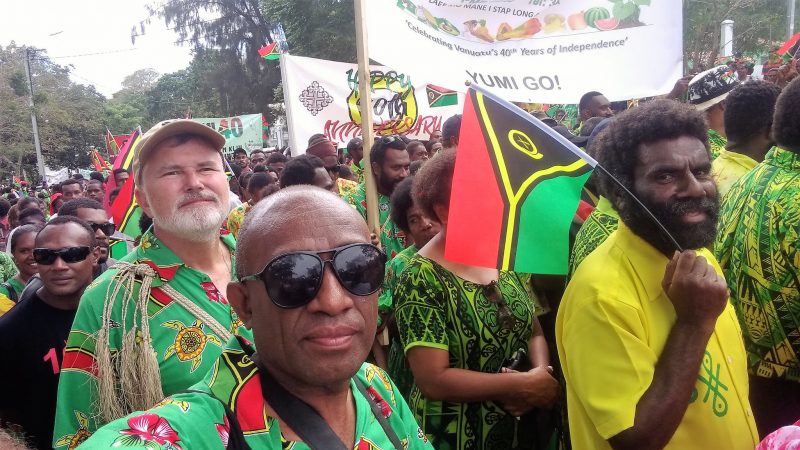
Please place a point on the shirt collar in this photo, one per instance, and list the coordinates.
(648, 263)
(737, 158)
(604, 206)
(784, 159)
(163, 260)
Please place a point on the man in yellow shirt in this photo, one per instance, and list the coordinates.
(748, 121)
(650, 348)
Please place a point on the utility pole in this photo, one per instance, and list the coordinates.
(790, 15)
(39, 158)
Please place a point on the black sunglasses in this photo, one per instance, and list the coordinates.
(47, 256)
(107, 228)
(505, 319)
(293, 279)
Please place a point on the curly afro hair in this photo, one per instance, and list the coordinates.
(786, 124)
(617, 146)
(749, 109)
(433, 182)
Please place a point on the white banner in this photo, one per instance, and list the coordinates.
(322, 97)
(53, 176)
(541, 51)
(240, 131)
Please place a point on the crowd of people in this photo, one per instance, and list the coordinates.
(257, 310)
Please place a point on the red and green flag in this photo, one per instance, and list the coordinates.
(270, 52)
(516, 188)
(788, 50)
(124, 211)
(111, 144)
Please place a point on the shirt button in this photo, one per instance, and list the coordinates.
(730, 360)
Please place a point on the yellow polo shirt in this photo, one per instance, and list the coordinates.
(728, 168)
(612, 326)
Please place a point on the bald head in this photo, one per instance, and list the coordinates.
(296, 218)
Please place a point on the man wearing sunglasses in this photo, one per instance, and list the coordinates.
(307, 287)
(161, 310)
(33, 333)
(95, 215)
(390, 162)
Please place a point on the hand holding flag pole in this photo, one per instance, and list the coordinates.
(531, 181)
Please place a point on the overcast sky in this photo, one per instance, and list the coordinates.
(98, 29)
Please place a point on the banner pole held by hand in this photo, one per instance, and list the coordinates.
(365, 107)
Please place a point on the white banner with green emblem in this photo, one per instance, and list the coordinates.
(322, 97)
(540, 51)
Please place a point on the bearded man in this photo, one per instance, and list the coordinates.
(155, 323)
(649, 344)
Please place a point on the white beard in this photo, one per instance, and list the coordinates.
(196, 223)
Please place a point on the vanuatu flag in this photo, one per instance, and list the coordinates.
(270, 52)
(516, 187)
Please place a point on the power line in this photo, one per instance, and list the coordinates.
(94, 53)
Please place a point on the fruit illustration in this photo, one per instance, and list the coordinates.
(427, 16)
(594, 14)
(606, 24)
(478, 29)
(447, 27)
(553, 23)
(526, 29)
(577, 21)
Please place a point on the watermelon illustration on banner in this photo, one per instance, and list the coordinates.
(518, 216)
(270, 52)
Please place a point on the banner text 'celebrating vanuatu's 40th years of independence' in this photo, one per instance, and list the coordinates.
(542, 51)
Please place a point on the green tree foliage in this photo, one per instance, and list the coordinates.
(759, 25)
(316, 28)
(69, 114)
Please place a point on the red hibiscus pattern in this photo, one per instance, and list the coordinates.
(213, 293)
(148, 428)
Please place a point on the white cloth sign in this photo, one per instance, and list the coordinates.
(322, 97)
(240, 131)
(540, 51)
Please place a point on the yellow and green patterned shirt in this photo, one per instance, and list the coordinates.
(358, 171)
(595, 229)
(758, 247)
(236, 218)
(393, 240)
(7, 267)
(185, 346)
(717, 142)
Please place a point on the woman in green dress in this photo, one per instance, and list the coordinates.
(21, 245)
(461, 327)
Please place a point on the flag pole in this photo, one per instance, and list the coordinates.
(365, 107)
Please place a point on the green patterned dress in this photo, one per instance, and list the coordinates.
(437, 309)
(393, 240)
(758, 247)
(595, 229)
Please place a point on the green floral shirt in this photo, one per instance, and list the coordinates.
(437, 309)
(197, 421)
(358, 171)
(393, 240)
(7, 267)
(186, 348)
(717, 142)
(758, 247)
(602, 221)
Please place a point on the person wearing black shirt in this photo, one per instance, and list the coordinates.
(33, 333)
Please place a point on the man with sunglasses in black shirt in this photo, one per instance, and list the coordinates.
(33, 333)
(96, 216)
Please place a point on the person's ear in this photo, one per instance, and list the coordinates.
(95, 255)
(376, 168)
(240, 300)
(142, 201)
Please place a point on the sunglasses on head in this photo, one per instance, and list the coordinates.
(47, 256)
(293, 279)
(107, 228)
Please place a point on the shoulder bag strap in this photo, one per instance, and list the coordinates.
(236, 439)
(299, 415)
(12, 294)
(376, 410)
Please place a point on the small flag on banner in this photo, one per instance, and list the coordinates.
(518, 217)
(270, 52)
(439, 96)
